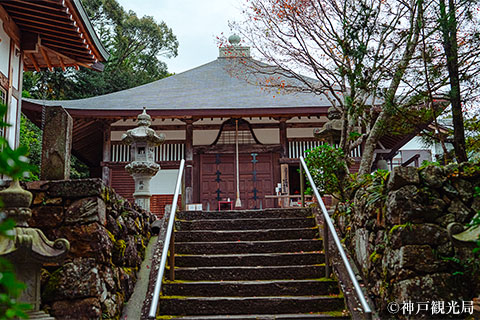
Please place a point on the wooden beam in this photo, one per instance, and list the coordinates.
(31, 25)
(10, 26)
(49, 25)
(50, 33)
(35, 64)
(30, 42)
(62, 65)
(37, 17)
(47, 59)
(38, 4)
(50, 12)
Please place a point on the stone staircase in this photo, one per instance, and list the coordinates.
(249, 265)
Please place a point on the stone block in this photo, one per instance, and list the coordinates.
(432, 287)
(402, 176)
(86, 210)
(75, 280)
(46, 217)
(433, 176)
(56, 144)
(464, 189)
(418, 257)
(88, 241)
(404, 205)
(85, 309)
(76, 188)
(430, 234)
(462, 213)
(360, 239)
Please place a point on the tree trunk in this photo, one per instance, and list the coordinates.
(448, 25)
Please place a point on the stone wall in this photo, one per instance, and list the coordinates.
(397, 233)
(108, 237)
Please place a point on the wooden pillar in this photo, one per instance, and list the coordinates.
(189, 161)
(283, 137)
(107, 157)
(284, 166)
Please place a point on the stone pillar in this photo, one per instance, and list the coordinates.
(106, 154)
(56, 144)
(189, 162)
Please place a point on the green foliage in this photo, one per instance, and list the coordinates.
(377, 190)
(14, 164)
(135, 45)
(328, 169)
(472, 127)
(31, 138)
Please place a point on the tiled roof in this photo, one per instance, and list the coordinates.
(210, 86)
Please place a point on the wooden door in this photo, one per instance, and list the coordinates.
(217, 180)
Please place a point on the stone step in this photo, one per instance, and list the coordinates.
(332, 315)
(249, 273)
(239, 305)
(244, 224)
(258, 259)
(233, 247)
(245, 214)
(322, 286)
(242, 235)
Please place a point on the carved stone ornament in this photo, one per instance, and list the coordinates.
(332, 130)
(28, 248)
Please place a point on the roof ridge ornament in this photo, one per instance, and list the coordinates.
(233, 49)
(234, 39)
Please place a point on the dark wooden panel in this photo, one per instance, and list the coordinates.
(264, 184)
(123, 183)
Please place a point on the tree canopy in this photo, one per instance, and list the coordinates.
(136, 46)
(380, 63)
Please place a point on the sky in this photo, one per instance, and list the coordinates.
(196, 23)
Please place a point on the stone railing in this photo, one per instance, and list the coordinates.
(107, 238)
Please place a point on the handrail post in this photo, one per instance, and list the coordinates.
(171, 260)
(302, 185)
(326, 248)
(184, 199)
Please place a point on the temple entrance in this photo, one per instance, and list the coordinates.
(218, 184)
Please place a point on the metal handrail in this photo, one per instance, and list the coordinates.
(166, 245)
(366, 308)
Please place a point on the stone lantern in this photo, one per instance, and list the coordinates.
(142, 141)
(28, 248)
(332, 130)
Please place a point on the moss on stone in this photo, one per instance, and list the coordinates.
(120, 246)
(400, 227)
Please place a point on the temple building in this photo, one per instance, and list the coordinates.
(38, 35)
(203, 112)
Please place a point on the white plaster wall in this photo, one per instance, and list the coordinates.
(4, 50)
(299, 132)
(16, 69)
(12, 119)
(268, 136)
(169, 135)
(164, 182)
(204, 137)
